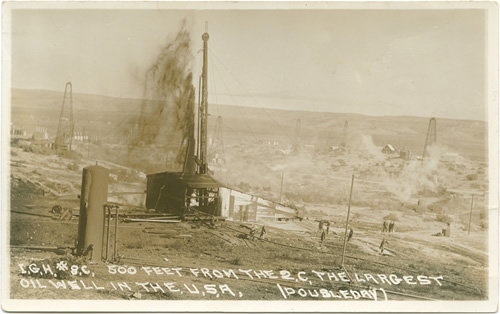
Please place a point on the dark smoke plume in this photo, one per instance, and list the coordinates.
(166, 121)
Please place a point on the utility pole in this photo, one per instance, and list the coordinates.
(470, 216)
(347, 223)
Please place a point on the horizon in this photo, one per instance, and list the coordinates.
(210, 107)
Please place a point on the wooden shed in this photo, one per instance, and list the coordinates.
(177, 193)
(388, 149)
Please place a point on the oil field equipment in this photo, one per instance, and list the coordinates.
(431, 138)
(182, 192)
(91, 222)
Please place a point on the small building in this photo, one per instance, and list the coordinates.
(244, 207)
(15, 130)
(40, 133)
(388, 149)
(405, 154)
(177, 193)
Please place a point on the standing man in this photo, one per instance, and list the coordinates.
(262, 232)
(381, 247)
(320, 225)
(323, 237)
(251, 234)
(351, 232)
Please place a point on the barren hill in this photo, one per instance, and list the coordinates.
(322, 129)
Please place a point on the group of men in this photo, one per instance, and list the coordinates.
(324, 228)
(324, 224)
(253, 230)
(388, 226)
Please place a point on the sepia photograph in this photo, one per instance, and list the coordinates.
(250, 157)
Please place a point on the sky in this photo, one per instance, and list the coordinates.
(375, 62)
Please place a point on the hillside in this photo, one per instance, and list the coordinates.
(101, 114)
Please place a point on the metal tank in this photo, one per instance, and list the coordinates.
(91, 223)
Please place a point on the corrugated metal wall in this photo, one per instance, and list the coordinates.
(239, 206)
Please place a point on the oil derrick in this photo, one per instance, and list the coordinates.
(431, 138)
(218, 154)
(297, 142)
(64, 135)
(345, 134)
(203, 110)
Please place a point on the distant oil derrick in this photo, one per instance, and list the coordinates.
(217, 145)
(345, 134)
(64, 135)
(431, 138)
(297, 142)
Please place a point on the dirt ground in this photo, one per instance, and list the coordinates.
(194, 261)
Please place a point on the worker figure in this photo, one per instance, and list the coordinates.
(320, 226)
(384, 227)
(381, 247)
(351, 232)
(251, 234)
(323, 236)
(327, 227)
(262, 232)
(391, 226)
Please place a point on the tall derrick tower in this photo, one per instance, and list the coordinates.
(431, 137)
(65, 128)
